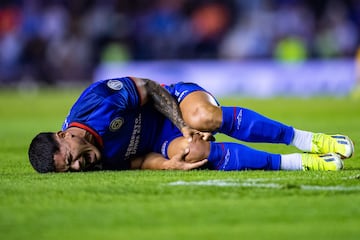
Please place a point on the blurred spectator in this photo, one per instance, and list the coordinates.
(51, 41)
(337, 36)
(290, 49)
(209, 21)
(10, 43)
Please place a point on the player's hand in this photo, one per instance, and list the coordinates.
(177, 162)
(189, 132)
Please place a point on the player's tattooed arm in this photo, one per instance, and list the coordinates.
(164, 103)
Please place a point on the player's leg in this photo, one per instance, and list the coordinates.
(201, 111)
(228, 156)
(250, 126)
(247, 125)
(235, 157)
(225, 156)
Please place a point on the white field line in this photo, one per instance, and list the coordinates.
(262, 183)
(352, 177)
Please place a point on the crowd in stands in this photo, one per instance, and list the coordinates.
(64, 40)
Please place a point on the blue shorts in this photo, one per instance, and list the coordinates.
(181, 89)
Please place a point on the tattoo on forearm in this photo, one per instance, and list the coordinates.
(165, 103)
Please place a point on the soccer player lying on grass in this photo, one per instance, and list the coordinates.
(133, 123)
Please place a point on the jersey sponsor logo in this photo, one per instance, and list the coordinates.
(135, 138)
(115, 84)
(227, 159)
(116, 124)
(239, 119)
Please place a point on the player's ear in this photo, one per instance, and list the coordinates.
(61, 134)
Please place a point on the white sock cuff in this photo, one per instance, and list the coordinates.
(291, 161)
(302, 140)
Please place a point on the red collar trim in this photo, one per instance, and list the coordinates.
(95, 134)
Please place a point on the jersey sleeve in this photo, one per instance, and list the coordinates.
(103, 99)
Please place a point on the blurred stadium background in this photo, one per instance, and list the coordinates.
(258, 47)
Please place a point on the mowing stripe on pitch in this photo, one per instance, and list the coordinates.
(260, 183)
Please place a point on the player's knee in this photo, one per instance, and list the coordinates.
(205, 118)
(199, 150)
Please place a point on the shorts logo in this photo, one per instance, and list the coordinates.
(115, 84)
(116, 124)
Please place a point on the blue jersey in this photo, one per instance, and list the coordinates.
(112, 112)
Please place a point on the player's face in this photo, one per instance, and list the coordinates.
(76, 153)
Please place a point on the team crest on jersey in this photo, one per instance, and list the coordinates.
(116, 124)
(115, 84)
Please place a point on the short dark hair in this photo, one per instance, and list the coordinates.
(41, 152)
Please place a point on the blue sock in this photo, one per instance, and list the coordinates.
(234, 156)
(246, 125)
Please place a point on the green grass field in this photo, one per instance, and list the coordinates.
(176, 204)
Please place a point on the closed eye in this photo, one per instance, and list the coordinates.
(86, 157)
(69, 160)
